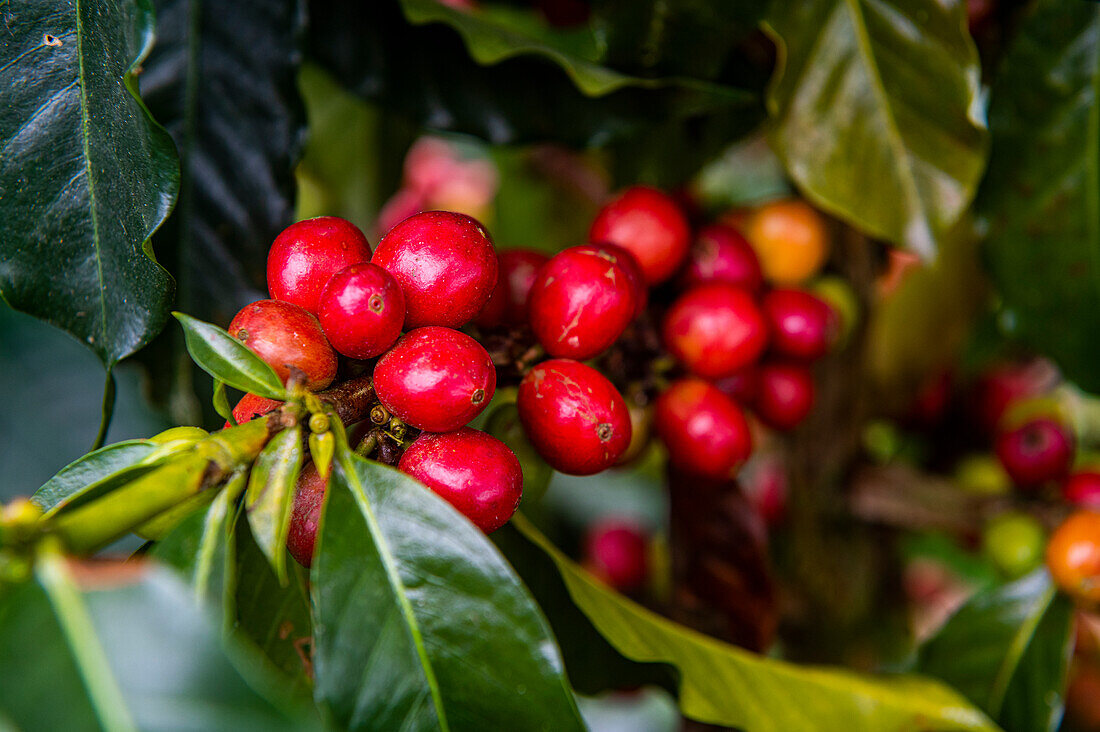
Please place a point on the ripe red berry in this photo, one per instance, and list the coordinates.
(576, 419)
(715, 329)
(286, 335)
(473, 471)
(742, 385)
(1082, 488)
(581, 302)
(309, 497)
(306, 254)
(508, 303)
(362, 310)
(802, 325)
(1035, 452)
(251, 406)
(616, 551)
(1008, 383)
(435, 379)
(721, 253)
(785, 394)
(625, 259)
(649, 225)
(445, 263)
(704, 430)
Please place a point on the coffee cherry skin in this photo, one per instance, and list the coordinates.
(1005, 384)
(445, 263)
(625, 259)
(576, 419)
(721, 253)
(307, 254)
(362, 310)
(1073, 555)
(251, 406)
(785, 394)
(802, 325)
(616, 551)
(285, 335)
(1035, 452)
(706, 433)
(581, 302)
(435, 379)
(790, 239)
(1082, 489)
(473, 471)
(309, 497)
(714, 330)
(648, 224)
(742, 386)
(508, 304)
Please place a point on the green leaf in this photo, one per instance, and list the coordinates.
(1008, 650)
(1041, 195)
(726, 685)
(402, 582)
(132, 652)
(877, 112)
(86, 175)
(221, 403)
(221, 79)
(227, 359)
(269, 500)
(88, 474)
(492, 72)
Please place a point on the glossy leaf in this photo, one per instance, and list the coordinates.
(131, 651)
(222, 80)
(877, 112)
(1042, 192)
(227, 359)
(1008, 650)
(221, 403)
(93, 469)
(269, 500)
(485, 73)
(402, 582)
(86, 175)
(726, 685)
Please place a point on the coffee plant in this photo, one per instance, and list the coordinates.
(550, 365)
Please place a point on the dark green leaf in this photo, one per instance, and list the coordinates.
(86, 176)
(269, 500)
(132, 652)
(91, 471)
(227, 359)
(222, 79)
(726, 685)
(877, 111)
(402, 582)
(484, 73)
(1042, 191)
(1008, 650)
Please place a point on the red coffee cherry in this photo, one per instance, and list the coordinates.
(1007, 383)
(576, 419)
(473, 471)
(721, 253)
(785, 394)
(508, 304)
(286, 335)
(802, 325)
(1082, 488)
(362, 310)
(741, 386)
(649, 225)
(1035, 452)
(307, 254)
(581, 302)
(715, 329)
(704, 430)
(616, 551)
(309, 497)
(435, 379)
(251, 406)
(445, 263)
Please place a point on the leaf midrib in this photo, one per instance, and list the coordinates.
(85, 125)
(1021, 640)
(396, 585)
